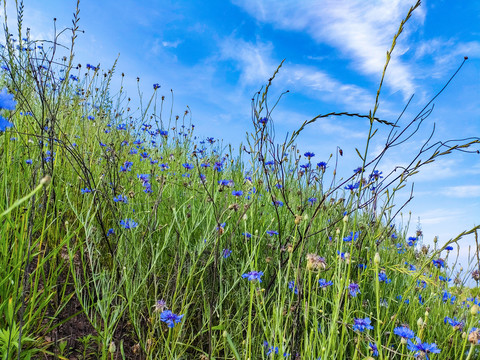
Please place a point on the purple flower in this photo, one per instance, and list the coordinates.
(253, 275)
(354, 289)
(226, 253)
(167, 316)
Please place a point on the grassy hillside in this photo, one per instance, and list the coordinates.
(124, 236)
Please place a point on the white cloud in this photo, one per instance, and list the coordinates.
(446, 54)
(462, 191)
(257, 64)
(172, 44)
(254, 60)
(361, 30)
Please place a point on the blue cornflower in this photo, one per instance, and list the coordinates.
(362, 324)
(277, 203)
(382, 277)
(122, 127)
(228, 183)
(291, 286)
(305, 166)
(253, 275)
(218, 166)
(351, 236)
(128, 224)
(272, 232)
(247, 235)
(449, 248)
(440, 263)
(324, 283)
(375, 175)
(85, 191)
(226, 253)
(309, 155)
(167, 316)
(358, 170)
(374, 348)
(110, 232)
(423, 348)
(28, 162)
(353, 289)
(237, 192)
(156, 86)
(7, 101)
(270, 163)
(188, 166)
(4, 123)
(144, 178)
(322, 165)
(263, 120)
(127, 166)
(120, 198)
(312, 200)
(352, 187)
(404, 332)
(457, 325)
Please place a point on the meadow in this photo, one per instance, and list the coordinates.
(124, 235)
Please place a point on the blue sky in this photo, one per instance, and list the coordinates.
(215, 55)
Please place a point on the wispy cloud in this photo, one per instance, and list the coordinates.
(445, 54)
(172, 44)
(256, 64)
(462, 191)
(254, 60)
(361, 31)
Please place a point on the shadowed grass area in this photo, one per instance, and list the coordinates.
(123, 235)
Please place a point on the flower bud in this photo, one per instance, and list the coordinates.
(112, 348)
(298, 219)
(420, 322)
(474, 309)
(376, 259)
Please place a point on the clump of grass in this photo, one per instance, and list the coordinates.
(165, 247)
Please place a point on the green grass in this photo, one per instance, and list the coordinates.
(68, 263)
